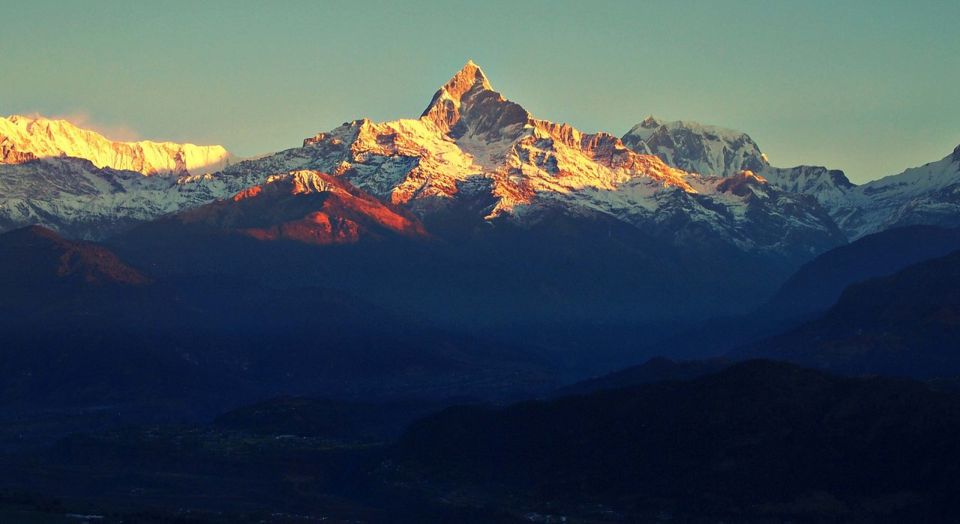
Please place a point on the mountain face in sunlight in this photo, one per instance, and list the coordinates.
(303, 206)
(25, 138)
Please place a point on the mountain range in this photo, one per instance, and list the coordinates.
(819, 283)
(474, 152)
(475, 155)
(920, 195)
(759, 441)
(475, 214)
(899, 324)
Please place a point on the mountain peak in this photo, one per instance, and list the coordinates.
(445, 107)
(651, 122)
(468, 78)
(692, 146)
(638, 134)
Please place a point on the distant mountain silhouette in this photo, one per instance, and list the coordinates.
(757, 440)
(658, 369)
(810, 291)
(905, 324)
(82, 327)
(818, 284)
(35, 257)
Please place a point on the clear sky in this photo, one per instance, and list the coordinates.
(870, 87)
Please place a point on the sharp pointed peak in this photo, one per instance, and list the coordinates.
(467, 78)
(444, 108)
(652, 121)
(473, 68)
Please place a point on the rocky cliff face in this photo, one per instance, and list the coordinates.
(717, 151)
(691, 146)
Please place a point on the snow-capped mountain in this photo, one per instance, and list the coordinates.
(471, 142)
(718, 151)
(484, 177)
(691, 146)
(80, 200)
(830, 187)
(472, 146)
(28, 138)
(474, 152)
(928, 194)
(923, 195)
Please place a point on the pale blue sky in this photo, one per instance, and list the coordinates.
(870, 87)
